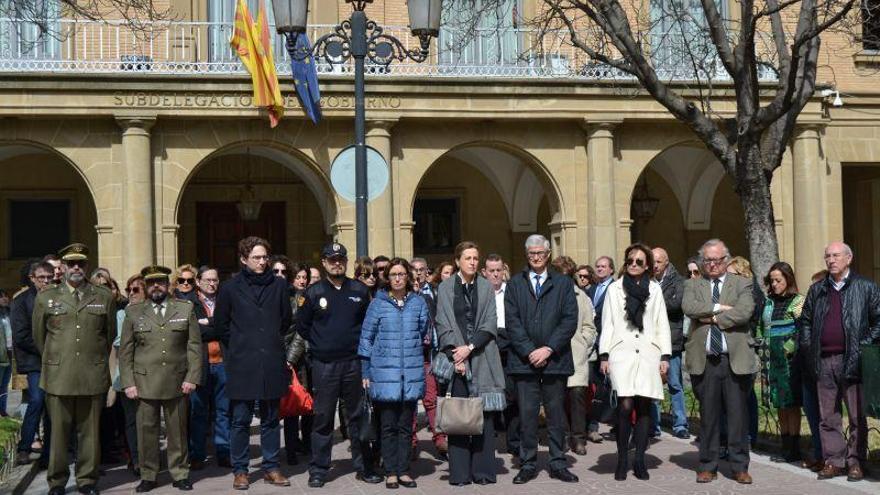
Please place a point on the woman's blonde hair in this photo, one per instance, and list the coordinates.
(741, 267)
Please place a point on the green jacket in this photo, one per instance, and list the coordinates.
(74, 339)
(157, 354)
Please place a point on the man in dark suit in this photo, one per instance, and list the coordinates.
(720, 358)
(604, 267)
(252, 316)
(541, 315)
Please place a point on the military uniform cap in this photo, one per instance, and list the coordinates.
(74, 252)
(155, 272)
(334, 249)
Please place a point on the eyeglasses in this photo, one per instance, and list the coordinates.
(635, 261)
(397, 275)
(536, 254)
(73, 263)
(184, 281)
(258, 257)
(367, 275)
(714, 261)
(133, 290)
(280, 271)
(43, 278)
(584, 276)
(695, 272)
(336, 260)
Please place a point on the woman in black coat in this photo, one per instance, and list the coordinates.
(253, 315)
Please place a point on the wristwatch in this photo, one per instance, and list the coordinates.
(471, 347)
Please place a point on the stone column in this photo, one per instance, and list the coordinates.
(381, 210)
(137, 205)
(601, 208)
(810, 226)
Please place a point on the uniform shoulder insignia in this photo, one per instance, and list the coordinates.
(185, 302)
(20, 292)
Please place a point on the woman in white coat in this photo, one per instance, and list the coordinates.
(634, 349)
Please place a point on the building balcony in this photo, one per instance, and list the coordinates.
(202, 48)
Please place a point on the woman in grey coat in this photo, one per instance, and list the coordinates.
(470, 363)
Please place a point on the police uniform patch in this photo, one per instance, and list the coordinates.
(300, 300)
(322, 303)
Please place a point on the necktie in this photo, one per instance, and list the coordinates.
(715, 344)
(160, 310)
(537, 286)
(77, 297)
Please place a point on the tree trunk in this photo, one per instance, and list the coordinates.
(753, 187)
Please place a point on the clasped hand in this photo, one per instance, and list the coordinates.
(538, 358)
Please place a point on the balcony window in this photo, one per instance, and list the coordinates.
(680, 39)
(496, 39)
(221, 24)
(871, 25)
(30, 29)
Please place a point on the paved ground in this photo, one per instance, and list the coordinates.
(672, 463)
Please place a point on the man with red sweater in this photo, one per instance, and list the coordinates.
(841, 313)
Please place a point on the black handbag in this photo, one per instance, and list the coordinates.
(368, 422)
(604, 405)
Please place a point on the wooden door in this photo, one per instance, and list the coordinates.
(219, 227)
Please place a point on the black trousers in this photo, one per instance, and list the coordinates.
(532, 391)
(472, 458)
(395, 420)
(297, 433)
(511, 412)
(577, 412)
(719, 390)
(330, 382)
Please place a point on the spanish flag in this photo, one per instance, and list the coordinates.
(251, 41)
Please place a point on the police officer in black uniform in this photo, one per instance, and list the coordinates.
(330, 317)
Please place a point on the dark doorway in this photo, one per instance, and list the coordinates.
(861, 217)
(219, 227)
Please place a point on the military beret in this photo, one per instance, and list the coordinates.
(155, 272)
(74, 252)
(334, 249)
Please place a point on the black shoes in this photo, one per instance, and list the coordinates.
(183, 485)
(683, 434)
(484, 482)
(524, 476)
(407, 482)
(640, 471)
(564, 475)
(370, 478)
(145, 486)
(89, 490)
(622, 468)
(316, 481)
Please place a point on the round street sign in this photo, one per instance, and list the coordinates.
(342, 174)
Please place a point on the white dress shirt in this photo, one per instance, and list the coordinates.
(499, 304)
(542, 278)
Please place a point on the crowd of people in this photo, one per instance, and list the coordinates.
(576, 344)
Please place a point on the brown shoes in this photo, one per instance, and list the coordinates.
(579, 446)
(240, 482)
(275, 477)
(706, 476)
(855, 473)
(743, 478)
(814, 465)
(829, 472)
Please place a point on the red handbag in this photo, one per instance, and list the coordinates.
(297, 401)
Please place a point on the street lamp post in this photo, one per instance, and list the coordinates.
(361, 39)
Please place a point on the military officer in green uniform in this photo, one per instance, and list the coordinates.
(160, 363)
(74, 325)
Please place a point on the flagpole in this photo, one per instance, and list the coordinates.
(359, 52)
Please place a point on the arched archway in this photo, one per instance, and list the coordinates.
(695, 201)
(48, 203)
(493, 193)
(253, 188)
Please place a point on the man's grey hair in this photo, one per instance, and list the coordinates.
(846, 249)
(418, 260)
(537, 240)
(713, 243)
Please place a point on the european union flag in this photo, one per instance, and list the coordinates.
(305, 79)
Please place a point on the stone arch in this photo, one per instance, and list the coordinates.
(317, 181)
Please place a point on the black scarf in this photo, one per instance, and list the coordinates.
(636, 296)
(257, 282)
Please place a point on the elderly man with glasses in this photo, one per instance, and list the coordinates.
(720, 359)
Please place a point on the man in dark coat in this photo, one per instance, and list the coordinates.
(253, 315)
(604, 268)
(28, 362)
(841, 313)
(329, 318)
(673, 290)
(541, 315)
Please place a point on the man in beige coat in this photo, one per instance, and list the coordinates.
(720, 358)
(160, 363)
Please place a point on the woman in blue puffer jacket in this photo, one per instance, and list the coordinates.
(392, 362)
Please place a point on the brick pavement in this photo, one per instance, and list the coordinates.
(672, 463)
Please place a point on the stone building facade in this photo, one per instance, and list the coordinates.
(148, 158)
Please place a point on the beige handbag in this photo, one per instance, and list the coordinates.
(459, 415)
